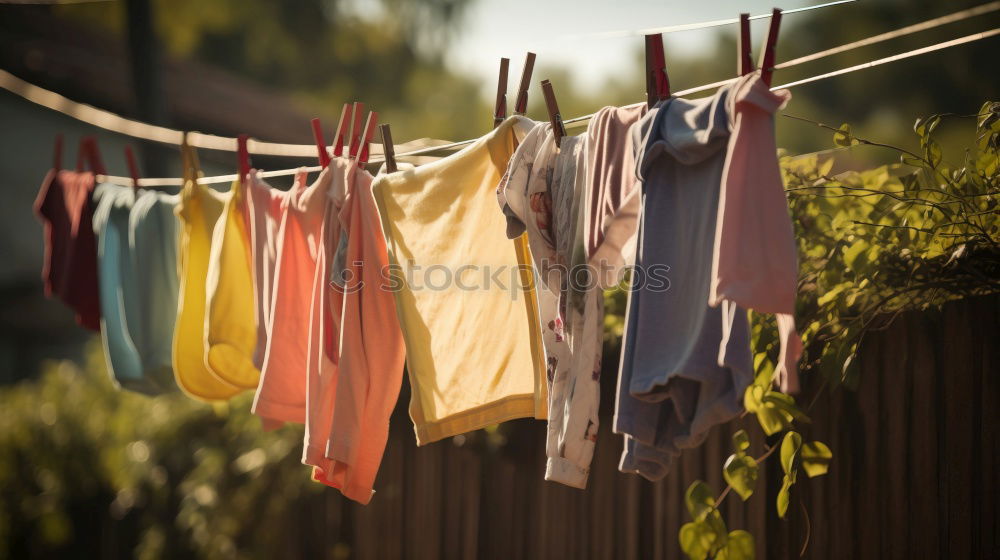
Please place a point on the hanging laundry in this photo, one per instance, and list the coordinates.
(230, 322)
(267, 208)
(684, 364)
(372, 353)
(199, 211)
(281, 393)
(611, 216)
(137, 273)
(541, 193)
(69, 271)
(465, 298)
(754, 263)
(323, 328)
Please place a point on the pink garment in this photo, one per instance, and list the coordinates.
(325, 306)
(281, 394)
(267, 208)
(372, 352)
(754, 262)
(611, 214)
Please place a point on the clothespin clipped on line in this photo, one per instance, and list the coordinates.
(133, 167)
(558, 129)
(90, 152)
(355, 143)
(767, 56)
(324, 156)
(521, 105)
(500, 107)
(387, 148)
(657, 83)
(243, 156)
(366, 138)
(57, 154)
(339, 140)
(744, 58)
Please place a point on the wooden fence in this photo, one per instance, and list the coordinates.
(914, 473)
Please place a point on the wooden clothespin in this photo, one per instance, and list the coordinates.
(366, 138)
(355, 143)
(243, 156)
(324, 156)
(387, 148)
(90, 152)
(767, 56)
(521, 105)
(57, 155)
(657, 83)
(339, 138)
(744, 58)
(133, 167)
(558, 129)
(500, 107)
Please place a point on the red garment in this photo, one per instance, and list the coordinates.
(70, 268)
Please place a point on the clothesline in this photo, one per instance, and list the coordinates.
(579, 121)
(694, 26)
(137, 129)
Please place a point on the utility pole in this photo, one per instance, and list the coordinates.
(147, 82)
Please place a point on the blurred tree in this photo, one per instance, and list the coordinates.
(386, 53)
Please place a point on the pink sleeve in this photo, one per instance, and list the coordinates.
(754, 262)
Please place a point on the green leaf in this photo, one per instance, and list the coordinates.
(816, 458)
(740, 546)
(790, 447)
(741, 441)
(784, 496)
(699, 500)
(843, 135)
(740, 471)
(910, 160)
(785, 403)
(932, 153)
(696, 540)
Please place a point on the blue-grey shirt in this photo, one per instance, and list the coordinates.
(684, 364)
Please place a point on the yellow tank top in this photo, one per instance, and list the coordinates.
(198, 211)
(231, 322)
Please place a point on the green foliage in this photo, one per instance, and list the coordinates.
(707, 536)
(879, 241)
(179, 478)
(871, 243)
(740, 470)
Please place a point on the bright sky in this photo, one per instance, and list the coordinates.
(509, 28)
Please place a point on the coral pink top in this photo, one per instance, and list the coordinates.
(754, 263)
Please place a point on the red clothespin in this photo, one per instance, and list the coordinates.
(133, 168)
(767, 55)
(355, 143)
(387, 149)
(744, 58)
(324, 157)
(90, 151)
(521, 105)
(339, 138)
(558, 129)
(58, 153)
(657, 83)
(243, 155)
(500, 107)
(366, 138)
